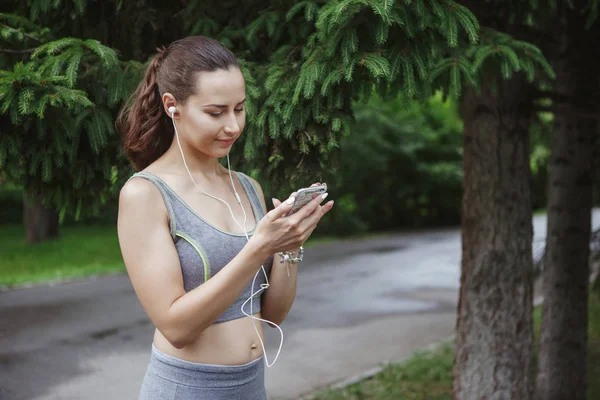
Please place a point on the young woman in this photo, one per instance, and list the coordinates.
(194, 235)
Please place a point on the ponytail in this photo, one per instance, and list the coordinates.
(147, 132)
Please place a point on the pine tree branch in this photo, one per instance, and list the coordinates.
(26, 51)
(30, 36)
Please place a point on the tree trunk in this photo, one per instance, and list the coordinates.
(563, 343)
(41, 222)
(494, 318)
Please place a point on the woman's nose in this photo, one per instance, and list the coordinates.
(232, 125)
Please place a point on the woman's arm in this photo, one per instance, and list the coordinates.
(279, 297)
(153, 266)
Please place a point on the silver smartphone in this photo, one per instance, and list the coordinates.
(305, 195)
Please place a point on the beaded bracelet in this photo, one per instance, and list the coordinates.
(293, 256)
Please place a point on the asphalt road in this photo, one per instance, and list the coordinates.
(359, 303)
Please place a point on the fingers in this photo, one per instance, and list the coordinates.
(328, 206)
(318, 213)
(309, 224)
(277, 203)
(319, 184)
(282, 209)
(309, 208)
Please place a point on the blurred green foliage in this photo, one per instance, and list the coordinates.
(400, 168)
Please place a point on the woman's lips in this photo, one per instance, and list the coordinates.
(226, 142)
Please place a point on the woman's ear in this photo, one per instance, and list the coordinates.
(169, 105)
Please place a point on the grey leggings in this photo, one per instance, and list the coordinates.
(170, 378)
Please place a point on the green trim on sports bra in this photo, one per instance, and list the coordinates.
(200, 252)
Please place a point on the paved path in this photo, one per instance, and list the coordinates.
(359, 303)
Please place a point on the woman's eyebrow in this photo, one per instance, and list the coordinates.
(222, 105)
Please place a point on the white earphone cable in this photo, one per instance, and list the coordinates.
(263, 286)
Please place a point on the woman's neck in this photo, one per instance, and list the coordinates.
(200, 165)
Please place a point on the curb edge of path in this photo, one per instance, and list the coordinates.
(371, 372)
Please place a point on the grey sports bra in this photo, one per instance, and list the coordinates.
(205, 249)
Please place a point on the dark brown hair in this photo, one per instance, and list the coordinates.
(146, 128)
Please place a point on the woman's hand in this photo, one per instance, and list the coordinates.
(276, 233)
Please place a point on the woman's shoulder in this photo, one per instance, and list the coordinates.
(138, 192)
(141, 203)
(141, 189)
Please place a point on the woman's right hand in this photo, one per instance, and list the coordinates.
(275, 232)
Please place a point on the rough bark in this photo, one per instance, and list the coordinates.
(41, 222)
(494, 317)
(563, 344)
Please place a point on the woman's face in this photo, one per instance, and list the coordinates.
(213, 118)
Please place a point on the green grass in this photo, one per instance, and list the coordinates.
(318, 240)
(428, 375)
(81, 251)
(594, 348)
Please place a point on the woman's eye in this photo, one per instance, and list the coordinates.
(216, 114)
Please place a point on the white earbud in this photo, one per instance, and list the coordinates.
(172, 110)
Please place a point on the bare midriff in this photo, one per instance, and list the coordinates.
(226, 343)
